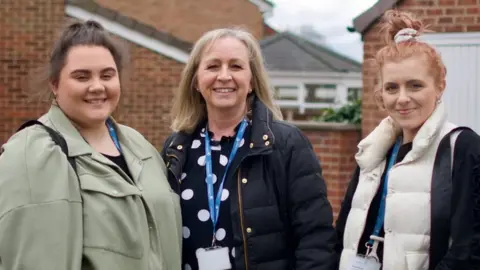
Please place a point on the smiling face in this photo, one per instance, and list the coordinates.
(88, 89)
(409, 92)
(224, 75)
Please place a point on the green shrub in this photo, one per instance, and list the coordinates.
(350, 113)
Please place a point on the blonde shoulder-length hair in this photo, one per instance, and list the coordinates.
(189, 106)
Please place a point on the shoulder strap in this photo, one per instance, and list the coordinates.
(56, 137)
(441, 194)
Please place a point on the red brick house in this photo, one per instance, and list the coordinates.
(159, 34)
(457, 37)
(28, 29)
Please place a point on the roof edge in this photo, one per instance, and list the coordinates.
(265, 7)
(330, 51)
(363, 21)
(131, 30)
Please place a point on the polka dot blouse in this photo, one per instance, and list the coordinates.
(197, 224)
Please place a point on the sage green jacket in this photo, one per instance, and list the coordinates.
(52, 220)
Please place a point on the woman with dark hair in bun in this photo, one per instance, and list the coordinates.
(414, 200)
(77, 189)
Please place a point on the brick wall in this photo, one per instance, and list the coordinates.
(26, 36)
(26, 31)
(442, 15)
(335, 145)
(145, 106)
(188, 20)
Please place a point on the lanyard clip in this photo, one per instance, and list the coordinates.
(372, 248)
(214, 241)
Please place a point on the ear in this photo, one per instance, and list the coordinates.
(53, 88)
(377, 95)
(442, 86)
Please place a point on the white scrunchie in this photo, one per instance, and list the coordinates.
(405, 34)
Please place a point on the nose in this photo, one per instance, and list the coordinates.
(403, 97)
(96, 86)
(224, 74)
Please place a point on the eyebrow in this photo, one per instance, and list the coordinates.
(390, 83)
(217, 60)
(108, 69)
(415, 81)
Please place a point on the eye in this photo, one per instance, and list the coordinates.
(417, 85)
(236, 66)
(390, 88)
(82, 78)
(213, 66)
(107, 76)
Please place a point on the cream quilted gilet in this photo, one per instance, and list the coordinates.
(407, 214)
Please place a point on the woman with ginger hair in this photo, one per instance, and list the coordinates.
(414, 200)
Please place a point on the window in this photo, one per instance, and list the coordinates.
(287, 92)
(320, 93)
(354, 94)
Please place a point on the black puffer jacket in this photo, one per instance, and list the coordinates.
(280, 212)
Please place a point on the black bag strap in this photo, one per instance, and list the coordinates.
(441, 195)
(56, 137)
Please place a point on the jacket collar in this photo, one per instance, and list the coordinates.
(77, 145)
(261, 140)
(373, 149)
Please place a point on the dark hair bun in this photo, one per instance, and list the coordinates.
(94, 24)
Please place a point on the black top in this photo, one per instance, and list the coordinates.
(197, 224)
(120, 162)
(465, 220)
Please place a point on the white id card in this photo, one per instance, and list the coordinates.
(215, 258)
(363, 263)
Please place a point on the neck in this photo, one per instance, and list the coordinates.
(409, 135)
(224, 123)
(94, 134)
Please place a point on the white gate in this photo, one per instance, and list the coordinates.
(461, 55)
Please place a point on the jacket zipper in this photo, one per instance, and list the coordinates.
(240, 208)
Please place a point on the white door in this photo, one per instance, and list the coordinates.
(461, 55)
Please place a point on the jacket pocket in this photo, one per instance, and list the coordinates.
(417, 261)
(113, 216)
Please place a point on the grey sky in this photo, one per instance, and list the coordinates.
(329, 17)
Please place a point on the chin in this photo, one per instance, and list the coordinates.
(98, 117)
(225, 105)
(409, 125)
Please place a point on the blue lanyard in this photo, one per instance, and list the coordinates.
(113, 135)
(214, 205)
(381, 210)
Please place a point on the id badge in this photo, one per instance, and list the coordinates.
(214, 258)
(363, 263)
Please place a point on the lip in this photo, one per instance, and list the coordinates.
(405, 111)
(96, 101)
(224, 90)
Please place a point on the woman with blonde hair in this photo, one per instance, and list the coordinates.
(414, 200)
(252, 193)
